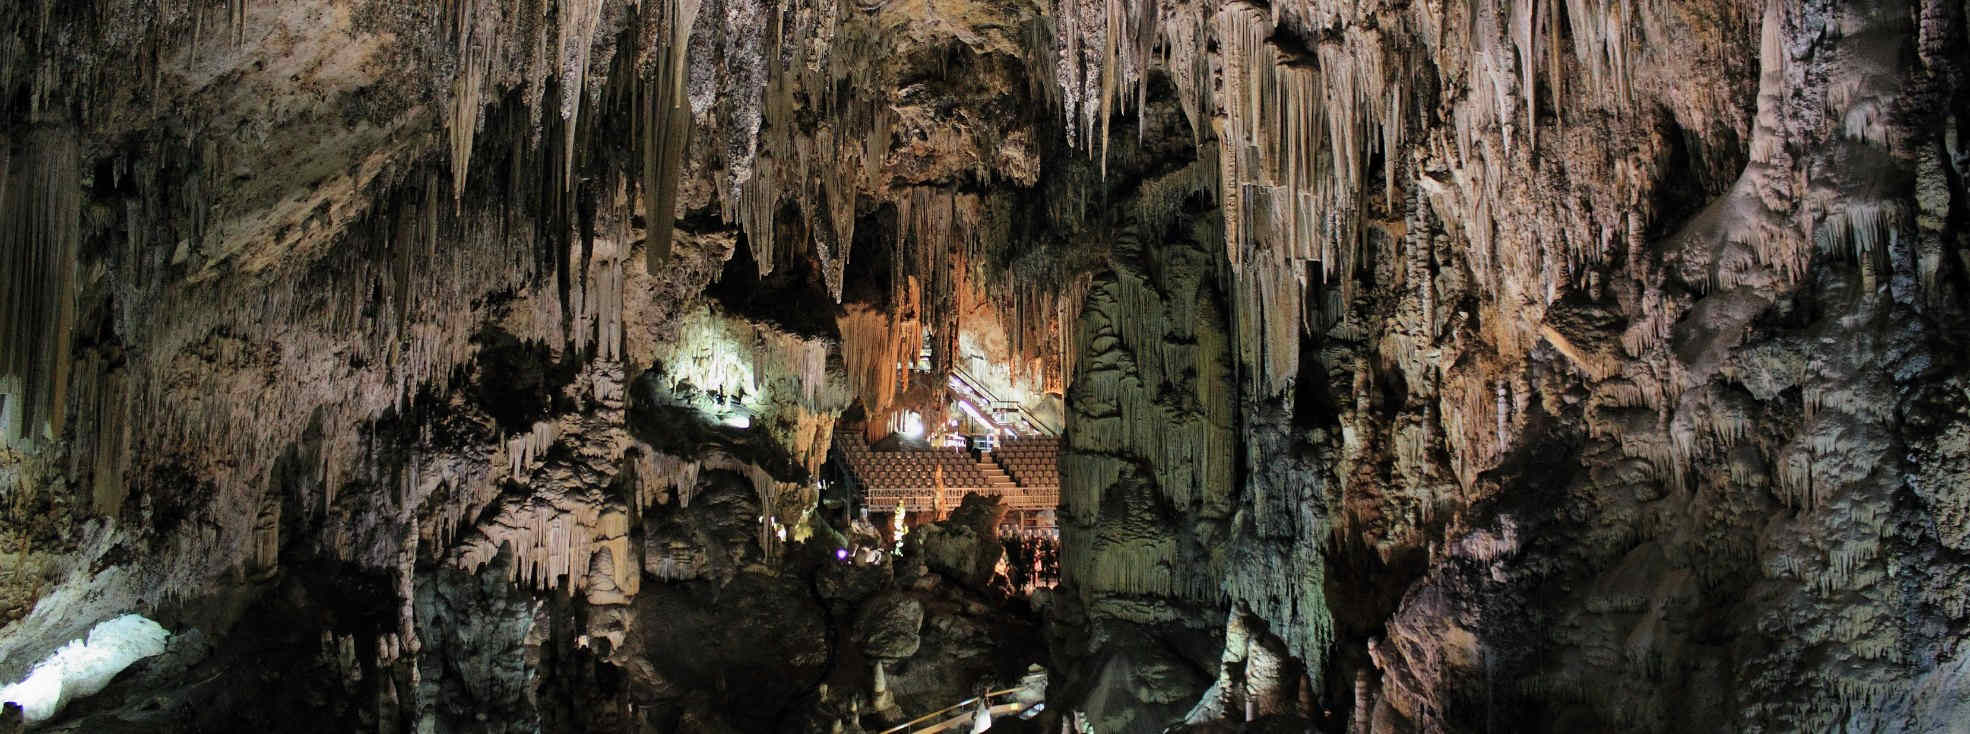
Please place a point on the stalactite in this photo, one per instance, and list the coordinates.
(236, 21)
(1294, 151)
(105, 402)
(817, 149)
(664, 121)
(265, 553)
(555, 542)
(600, 314)
(1554, 90)
(1864, 228)
(1525, 24)
(576, 25)
(525, 449)
(874, 347)
(228, 372)
(1600, 44)
(39, 240)
(475, 54)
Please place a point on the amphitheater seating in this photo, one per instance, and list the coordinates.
(1032, 462)
(909, 476)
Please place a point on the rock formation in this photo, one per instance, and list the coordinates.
(1527, 365)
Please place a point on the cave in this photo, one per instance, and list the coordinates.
(1118, 367)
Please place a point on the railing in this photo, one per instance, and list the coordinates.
(942, 720)
(993, 404)
(921, 499)
(1001, 408)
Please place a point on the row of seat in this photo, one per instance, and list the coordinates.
(908, 469)
(1032, 462)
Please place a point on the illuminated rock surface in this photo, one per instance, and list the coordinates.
(1503, 365)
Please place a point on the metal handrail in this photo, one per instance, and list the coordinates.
(910, 725)
(974, 385)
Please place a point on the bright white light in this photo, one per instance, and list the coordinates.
(738, 420)
(82, 668)
(912, 425)
(710, 356)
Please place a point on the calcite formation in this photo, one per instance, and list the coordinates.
(1526, 365)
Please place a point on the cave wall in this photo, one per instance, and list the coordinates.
(301, 291)
(1146, 480)
(1432, 365)
(1582, 347)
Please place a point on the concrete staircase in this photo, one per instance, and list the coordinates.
(996, 477)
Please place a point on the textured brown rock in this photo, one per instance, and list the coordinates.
(965, 545)
(889, 627)
(1526, 365)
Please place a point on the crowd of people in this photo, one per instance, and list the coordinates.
(1032, 560)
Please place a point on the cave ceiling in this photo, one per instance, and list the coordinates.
(1392, 365)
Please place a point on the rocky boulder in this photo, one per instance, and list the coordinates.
(890, 626)
(964, 546)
